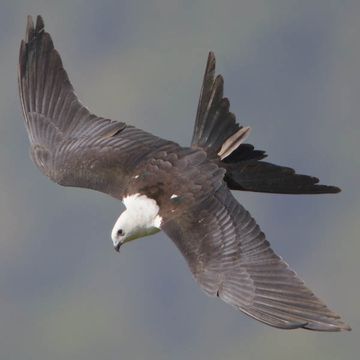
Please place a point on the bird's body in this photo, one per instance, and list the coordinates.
(184, 191)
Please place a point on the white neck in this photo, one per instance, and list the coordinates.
(141, 218)
(142, 210)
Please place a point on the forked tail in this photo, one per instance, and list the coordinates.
(217, 132)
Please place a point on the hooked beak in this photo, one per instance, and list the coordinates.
(117, 246)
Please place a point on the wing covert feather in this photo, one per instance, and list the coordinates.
(69, 144)
(230, 257)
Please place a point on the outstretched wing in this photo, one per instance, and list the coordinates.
(68, 143)
(230, 258)
(218, 133)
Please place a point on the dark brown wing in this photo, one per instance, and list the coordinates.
(68, 143)
(230, 258)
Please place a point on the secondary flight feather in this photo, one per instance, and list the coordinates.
(184, 191)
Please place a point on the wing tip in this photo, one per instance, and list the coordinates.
(292, 321)
(40, 25)
(29, 29)
(335, 326)
(211, 61)
(334, 189)
(324, 189)
(34, 29)
(32, 32)
(210, 67)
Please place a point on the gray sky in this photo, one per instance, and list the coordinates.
(291, 73)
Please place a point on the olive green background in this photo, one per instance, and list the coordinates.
(291, 72)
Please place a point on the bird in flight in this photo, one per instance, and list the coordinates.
(184, 191)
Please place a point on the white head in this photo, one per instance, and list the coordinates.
(141, 218)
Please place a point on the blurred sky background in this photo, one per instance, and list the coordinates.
(291, 71)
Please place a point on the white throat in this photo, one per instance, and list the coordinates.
(141, 218)
(142, 210)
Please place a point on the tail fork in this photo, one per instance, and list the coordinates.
(217, 132)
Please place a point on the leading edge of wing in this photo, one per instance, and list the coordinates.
(69, 144)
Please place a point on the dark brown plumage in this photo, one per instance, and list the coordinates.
(224, 247)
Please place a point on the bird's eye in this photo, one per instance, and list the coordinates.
(120, 232)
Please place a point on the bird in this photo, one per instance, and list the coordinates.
(184, 191)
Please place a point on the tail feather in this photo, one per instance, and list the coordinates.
(214, 122)
(233, 142)
(261, 176)
(244, 152)
(217, 132)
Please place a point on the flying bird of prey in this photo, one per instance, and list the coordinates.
(184, 191)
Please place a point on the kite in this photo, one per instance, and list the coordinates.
(183, 191)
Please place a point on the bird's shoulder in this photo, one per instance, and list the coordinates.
(176, 177)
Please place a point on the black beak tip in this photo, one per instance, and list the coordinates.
(117, 247)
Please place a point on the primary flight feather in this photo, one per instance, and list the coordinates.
(184, 191)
